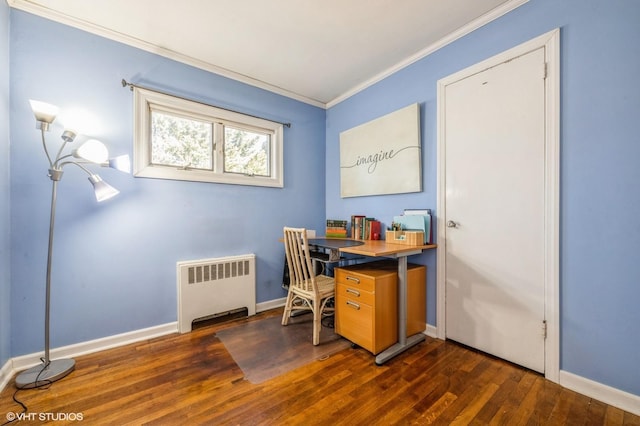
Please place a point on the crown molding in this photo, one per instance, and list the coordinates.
(53, 15)
(461, 32)
(44, 12)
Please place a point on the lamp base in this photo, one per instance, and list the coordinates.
(41, 375)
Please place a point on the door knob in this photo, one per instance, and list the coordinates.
(452, 224)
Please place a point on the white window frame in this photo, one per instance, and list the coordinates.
(143, 102)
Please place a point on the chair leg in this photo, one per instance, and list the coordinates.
(287, 309)
(317, 325)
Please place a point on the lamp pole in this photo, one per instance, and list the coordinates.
(51, 370)
(54, 194)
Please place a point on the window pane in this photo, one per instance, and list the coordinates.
(175, 138)
(246, 152)
(181, 142)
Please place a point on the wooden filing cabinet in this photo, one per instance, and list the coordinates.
(367, 303)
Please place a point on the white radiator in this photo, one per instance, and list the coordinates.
(214, 286)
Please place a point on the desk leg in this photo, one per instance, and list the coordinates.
(404, 342)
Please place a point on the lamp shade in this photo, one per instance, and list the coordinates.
(92, 150)
(44, 112)
(121, 162)
(102, 189)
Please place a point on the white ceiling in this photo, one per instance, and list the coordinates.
(317, 51)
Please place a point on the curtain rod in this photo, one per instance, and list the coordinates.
(131, 86)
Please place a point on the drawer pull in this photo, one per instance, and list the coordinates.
(354, 292)
(354, 305)
(357, 280)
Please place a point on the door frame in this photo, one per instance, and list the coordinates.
(550, 41)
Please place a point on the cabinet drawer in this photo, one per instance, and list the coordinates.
(353, 322)
(364, 277)
(352, 292)
(355, 280)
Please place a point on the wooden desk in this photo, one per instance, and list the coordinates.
(381, 248)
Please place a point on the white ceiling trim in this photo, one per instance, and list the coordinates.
(470, 27)
(61, 18)
(56, 16)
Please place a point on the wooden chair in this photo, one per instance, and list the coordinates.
(307, 291)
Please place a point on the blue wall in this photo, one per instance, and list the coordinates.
(5, 276)
(600, 173)
(114, 263)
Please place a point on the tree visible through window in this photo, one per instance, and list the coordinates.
(246, 152)
(180, 139)
(181, 142)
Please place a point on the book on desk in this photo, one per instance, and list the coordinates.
(336, 228)
(365, 228)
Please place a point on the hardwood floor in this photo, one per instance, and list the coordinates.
(191, 379)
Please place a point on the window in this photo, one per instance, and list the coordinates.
(184, 140)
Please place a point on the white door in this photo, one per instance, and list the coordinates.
(495, 210)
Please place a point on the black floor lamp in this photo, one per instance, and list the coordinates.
(90, 152)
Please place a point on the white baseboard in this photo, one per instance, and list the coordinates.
(271, 304)
(6, 372)
(431, 331)
(25, 361)
(612, 396)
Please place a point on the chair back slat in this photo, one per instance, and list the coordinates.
(307, 292)
(301, 272)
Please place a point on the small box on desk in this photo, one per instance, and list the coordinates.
(410, 238)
